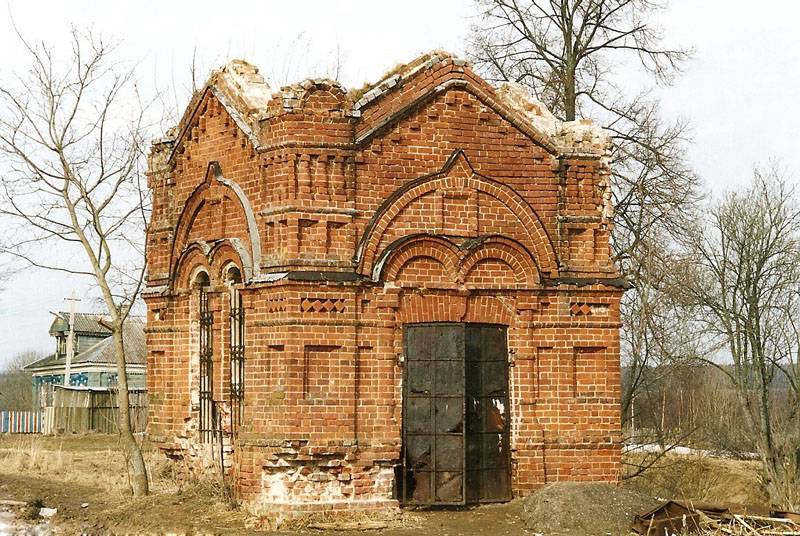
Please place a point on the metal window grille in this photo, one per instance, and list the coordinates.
(206, 368)
(237, 359)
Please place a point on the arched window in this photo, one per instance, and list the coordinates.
(206, 317)
(233, 279)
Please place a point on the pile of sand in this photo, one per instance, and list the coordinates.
(584, 509)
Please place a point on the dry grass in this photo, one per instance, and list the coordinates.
(27, 455)
(352, 521)
(92, 459)
(68, 471)
(702, 479)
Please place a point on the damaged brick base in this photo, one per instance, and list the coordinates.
(295, 477)
(284, 480)
(195, 459)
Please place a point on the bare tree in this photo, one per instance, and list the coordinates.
(563, 49)
(659, 335)
(16, 384)
(568, 53)
(742, 274)
(72, 140)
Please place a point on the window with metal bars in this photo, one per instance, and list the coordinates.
(206, 427)
(236, 349)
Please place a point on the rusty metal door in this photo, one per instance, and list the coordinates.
(488, 460)
(433, 402)
(455, 409)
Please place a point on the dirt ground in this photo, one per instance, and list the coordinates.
(565, 508)
(80, 476)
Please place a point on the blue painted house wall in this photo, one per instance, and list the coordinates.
(94, 361)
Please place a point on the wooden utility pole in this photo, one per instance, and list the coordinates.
(70, 337)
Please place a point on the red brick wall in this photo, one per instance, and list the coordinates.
(433, 205)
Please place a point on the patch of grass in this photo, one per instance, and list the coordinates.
(94, 460)
(26, 454)
(218, 488)
(31, 510)
(68, 442)
(702, 479)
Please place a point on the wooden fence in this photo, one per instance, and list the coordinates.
(20, 422)
(79, 411)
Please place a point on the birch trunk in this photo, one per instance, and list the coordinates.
(137, 470)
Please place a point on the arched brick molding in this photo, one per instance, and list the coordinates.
(230, 251)
(398, 255)
(459, 261)
(500, 250)
(457, 173)
(213, 183)
(192, 260)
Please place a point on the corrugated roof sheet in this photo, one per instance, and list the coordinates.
(84, 323)
(102, 353)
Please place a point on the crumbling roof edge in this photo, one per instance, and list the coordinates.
(244, 84)
(237, 117)
(404, 72)
(240, 81)
(574, 139)
(530, 130)
(194, 105)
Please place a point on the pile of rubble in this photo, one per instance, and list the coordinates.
(684, 518)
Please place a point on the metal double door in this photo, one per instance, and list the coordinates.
(455, 415)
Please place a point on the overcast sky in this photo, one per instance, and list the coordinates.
(739, 92)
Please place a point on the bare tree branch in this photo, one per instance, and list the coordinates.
(72, 139)
(741, 272)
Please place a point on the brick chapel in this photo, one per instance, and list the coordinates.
(392, 296)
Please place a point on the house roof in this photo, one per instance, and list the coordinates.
(85, 323)
(103, 353)
(95, 388)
